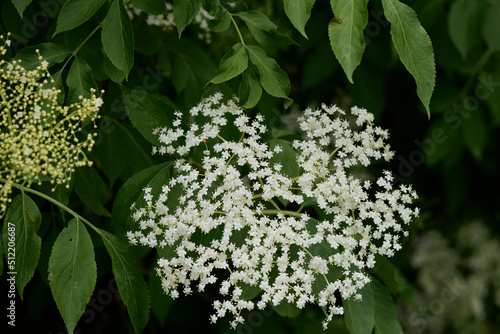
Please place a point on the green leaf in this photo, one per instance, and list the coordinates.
(386, 321)
(72, 272)
(118, 37)
(249, 292)
(80, 80)
(413, 46)
(161, 304)
(461, 23)
(287, 157)
(133, 289)
(76, 12)
(232, 64)
(222, 21)
(131, 193)
(359, 315)
(21, 5)
(491, 27)
(346, 33)
(211, 6)
(262, 29)
(299, 11)
(476, 133)
(112, 151)
(139, 150)
(51, 52)
(112, 72)
(273, 79)
(155, 7)
(22, 220)
(91, 189)
(250, 89)
(286, 309)
(147, 112)
(191, 70)
(393, 279)
(184, 12)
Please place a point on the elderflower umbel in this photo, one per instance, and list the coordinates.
(167, 22)
(39, 138)
(224, 213)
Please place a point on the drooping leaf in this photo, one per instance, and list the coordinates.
(131, 193)
(250, 89)
(346, 33)
(155, 7)
(414, 47)
(147, 112)
(76, 12)
(386, 321)
(133, 289)
(118, 37)
(359, 315)
(184, 12)
(72, 272)
(263, 30)
(232, 64)
(21, 5)
(21, 223)
(273, 79)
(51, 52)
(299, 11)
(80, 80)
(91, 189)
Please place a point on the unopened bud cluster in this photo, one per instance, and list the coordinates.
(39, 139)
(228, 212)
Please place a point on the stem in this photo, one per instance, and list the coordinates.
(275, 205)
(54, 201)
(334, 151)
(285, 212)
(73, 54)
(237, 29)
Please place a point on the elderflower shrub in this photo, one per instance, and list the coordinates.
(39, 138)
(228, 212)
(167, 23)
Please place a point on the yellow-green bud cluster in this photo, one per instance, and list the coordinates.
(39, 138)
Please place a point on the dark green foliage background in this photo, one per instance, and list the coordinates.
(452, 159)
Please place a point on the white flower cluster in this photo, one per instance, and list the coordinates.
(166, 21)
(224, 212)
